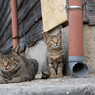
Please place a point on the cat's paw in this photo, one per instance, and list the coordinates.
(15, 80)
(53, 73)
(53, 76)
(44, 76)
(60, 75)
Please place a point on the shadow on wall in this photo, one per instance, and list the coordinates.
(37, 52)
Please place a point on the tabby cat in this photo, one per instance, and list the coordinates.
(16, 68)
(54, 55)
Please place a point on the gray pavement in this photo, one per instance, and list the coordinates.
(61, 86)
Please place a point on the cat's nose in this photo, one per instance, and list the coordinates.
(56, 44)
(5, 64)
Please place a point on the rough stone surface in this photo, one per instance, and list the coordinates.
(65, 50)
(89, 47)
(62, 86)
(88, 44)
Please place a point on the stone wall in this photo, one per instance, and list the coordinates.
(88, 45)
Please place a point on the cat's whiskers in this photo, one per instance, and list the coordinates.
(5, 68)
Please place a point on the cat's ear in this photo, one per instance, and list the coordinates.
(16, 49)
(46, 36)
(59, 32)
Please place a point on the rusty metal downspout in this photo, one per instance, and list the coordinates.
(76, 60)
(15, 32)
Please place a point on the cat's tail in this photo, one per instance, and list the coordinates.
(35, 64)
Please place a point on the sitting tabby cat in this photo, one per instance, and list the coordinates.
(54, 55)
(15, 67)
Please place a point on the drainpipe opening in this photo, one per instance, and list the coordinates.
(77, 66)
(80, 70)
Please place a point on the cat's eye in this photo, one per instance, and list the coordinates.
(58, 40)
(11, 59)
(8, 57)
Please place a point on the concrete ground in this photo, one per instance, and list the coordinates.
(61, 86)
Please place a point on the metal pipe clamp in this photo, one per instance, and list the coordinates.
(75, 7)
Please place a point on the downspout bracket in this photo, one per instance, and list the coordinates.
(75, 7)
(16, 37)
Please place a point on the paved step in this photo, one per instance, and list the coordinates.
(61, 86)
